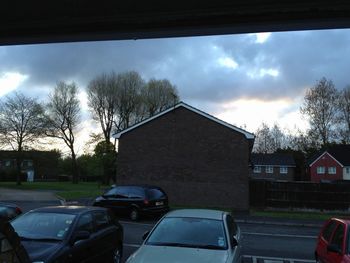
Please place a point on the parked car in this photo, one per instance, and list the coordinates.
(134, 200)
(9, 211)
(11, 249)
(191, 235)
(333, 242)
(70, 234)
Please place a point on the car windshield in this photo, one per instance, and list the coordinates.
(189, 232)
(40, 225)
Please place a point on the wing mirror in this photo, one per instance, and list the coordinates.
(145, 235)
(234, 242)
(80, 235)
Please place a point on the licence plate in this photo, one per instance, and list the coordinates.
(159, 203)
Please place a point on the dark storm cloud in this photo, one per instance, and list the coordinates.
(192, 64)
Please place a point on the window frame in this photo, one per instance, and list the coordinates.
(283, 169)
(320, 170)
(257, 169)
(330, 170)
(269, 169)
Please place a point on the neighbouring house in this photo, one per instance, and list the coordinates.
(330, 164)
(273, 166)
(197, 159)
(38, 165)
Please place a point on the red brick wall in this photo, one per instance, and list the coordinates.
(326, 161)
(197, 161)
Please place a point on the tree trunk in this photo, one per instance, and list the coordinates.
(18, 166)
(75, 168)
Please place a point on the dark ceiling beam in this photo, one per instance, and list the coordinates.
(44, 21)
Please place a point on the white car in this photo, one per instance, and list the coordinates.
(191, 235)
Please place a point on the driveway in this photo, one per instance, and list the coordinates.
(29, 199)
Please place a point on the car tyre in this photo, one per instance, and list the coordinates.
(134, 214)
(117, 255)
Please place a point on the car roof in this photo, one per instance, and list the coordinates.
(7, 204)
(198, 213)
(76, 210)
(139, 185)
(343, 220)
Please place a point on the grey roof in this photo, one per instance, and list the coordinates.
(248, 135)
(197, 213)
(274, 159)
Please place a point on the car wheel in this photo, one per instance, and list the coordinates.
(134, 214)
(117, 255)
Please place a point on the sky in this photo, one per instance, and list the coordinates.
(243, 79)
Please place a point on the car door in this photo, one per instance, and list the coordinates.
(83, 250)
(337, 241)
(233, 233)
(106, 237)
(117, 199)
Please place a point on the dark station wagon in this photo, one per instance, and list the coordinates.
(70, 234)
(134, 200)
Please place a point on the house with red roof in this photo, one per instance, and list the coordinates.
(332, 164)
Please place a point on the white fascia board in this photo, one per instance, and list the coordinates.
(248, 135)
(323, 154)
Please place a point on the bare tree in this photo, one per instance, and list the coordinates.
(320, 106)
(103, 92)
(263, 141)
(159, 95)
(344, 116)
(63, 117)
(129, 100)
(21, 124)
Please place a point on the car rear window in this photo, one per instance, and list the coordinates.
(155, 193)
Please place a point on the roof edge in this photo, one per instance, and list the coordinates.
(248, 135)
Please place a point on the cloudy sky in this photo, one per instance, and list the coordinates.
(243, 79)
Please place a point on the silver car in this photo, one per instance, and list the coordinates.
(191, 235)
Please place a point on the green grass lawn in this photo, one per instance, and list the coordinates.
(66, 190)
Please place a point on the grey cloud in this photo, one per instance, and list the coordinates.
(191, 63)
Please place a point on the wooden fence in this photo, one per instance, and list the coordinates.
(300, 195)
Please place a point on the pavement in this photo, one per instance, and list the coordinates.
(26, 195)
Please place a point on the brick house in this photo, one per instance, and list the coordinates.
(196, 158)
(273, 166)
(331, 164)
(43, 165)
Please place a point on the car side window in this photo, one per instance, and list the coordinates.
(101, 219)
(111, 192)
(122, 192)
(338, 236)
(85, 223)
(231, 225)
(328, 230)
(136, 192)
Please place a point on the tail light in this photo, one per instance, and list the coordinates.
(146, 202)
(18, 211)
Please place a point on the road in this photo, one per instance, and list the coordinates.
(259, 241)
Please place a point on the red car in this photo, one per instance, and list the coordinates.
(333, 242)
